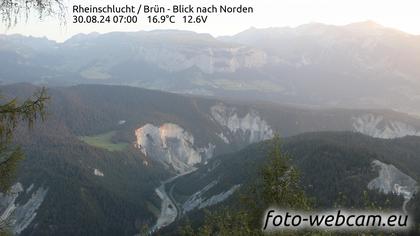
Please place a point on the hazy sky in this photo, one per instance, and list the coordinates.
(401, 14)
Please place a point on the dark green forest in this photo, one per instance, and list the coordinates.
(333, 168)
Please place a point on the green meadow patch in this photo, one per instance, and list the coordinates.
(104, 141)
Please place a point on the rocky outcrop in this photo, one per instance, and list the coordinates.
(171, 145)
(392, 181)
(224, 138)
(198, 200)
(209, 60)
(99, 173)
(20, 215)
(250, 128)
(378, 127)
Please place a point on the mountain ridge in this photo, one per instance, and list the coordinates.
(366, 23)
(363, 62)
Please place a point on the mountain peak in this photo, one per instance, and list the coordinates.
(366, 24)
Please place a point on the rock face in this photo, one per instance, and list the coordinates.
(251, 128)
(171, 145)
(198, 200)
(19, 215)
(377, 127)
(208, 60)
(392, 180)
(97, 172)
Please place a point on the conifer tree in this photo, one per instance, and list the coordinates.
(13, 11)
(278, 185)
(12, 114)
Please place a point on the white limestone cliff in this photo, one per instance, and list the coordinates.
(251, 128)
(209, 60)
(198, 200)
(392, 180)
(375, 126)
(20, 215)
(171, 145)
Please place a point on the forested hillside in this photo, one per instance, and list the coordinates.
(96, 162)
(336, 170)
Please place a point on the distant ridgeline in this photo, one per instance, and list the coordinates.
(292, 65)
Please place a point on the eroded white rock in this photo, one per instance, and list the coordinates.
(392, 180)
(197, 200)
(209, 60)
(224, 138)
(213, 200)
(251, 128)
(98, 173)
(171, 145)
(377, 127)
(19, 215)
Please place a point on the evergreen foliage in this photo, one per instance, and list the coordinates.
(11, 113)
(278, 185)
(11, 11)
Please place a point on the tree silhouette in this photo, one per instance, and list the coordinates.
(11, 114)
(278, 185)
(13, 11)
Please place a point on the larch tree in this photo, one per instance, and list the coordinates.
(12, 114)
(14, 11)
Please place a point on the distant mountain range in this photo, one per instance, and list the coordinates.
(361, 65)
(146, 127)
(103, 160)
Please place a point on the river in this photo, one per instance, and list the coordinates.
(169, 210)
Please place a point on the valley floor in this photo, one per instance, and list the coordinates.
(169, 210)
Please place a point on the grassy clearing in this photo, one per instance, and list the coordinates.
(104, 141)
